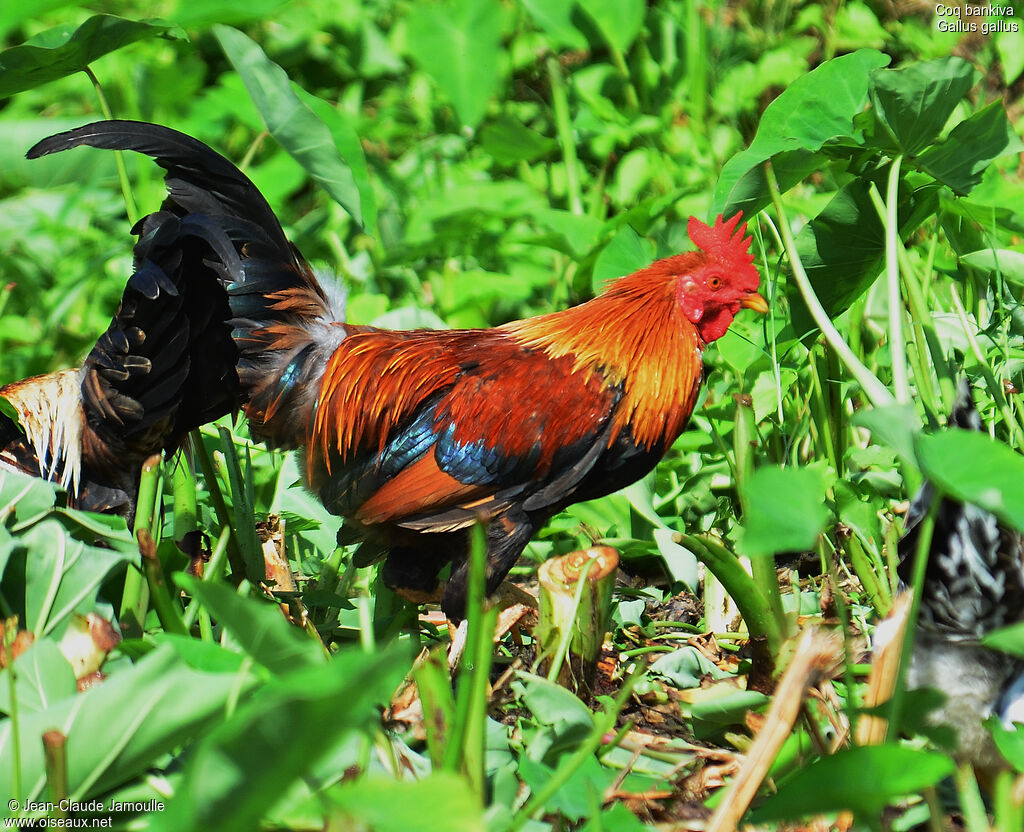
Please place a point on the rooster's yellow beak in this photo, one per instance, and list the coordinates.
(756, 302)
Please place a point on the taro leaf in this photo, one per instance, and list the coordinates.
(44, 677)
(686, 668)
(29, 497)
(916, 101)
(972, 467)
(619, 21)
(783, 510)
(257, 626)
(1009, 741)
(509, 141)
(1008, 263)
(815, 108)
(861, 780)
(232, 12)
(1007, 639)
(62, 573)
(625, 253)
(616, 817)
(122, 727)
(457, 43)
(555, 17)
(961, 159)
(306, 138)
(680, 561)
(842, 248)
(894, 425)
(11, 14)
(552, 704)
(350, 148)
(242, 768)
(749, 193)
(59, 51)
(384, 805)
(583, 790)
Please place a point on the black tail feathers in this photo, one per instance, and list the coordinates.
(217, 234)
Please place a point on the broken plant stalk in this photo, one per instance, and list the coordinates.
(575, 597)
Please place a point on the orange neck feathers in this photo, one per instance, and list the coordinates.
(634, 334)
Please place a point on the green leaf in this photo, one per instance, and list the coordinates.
(258, 626)
(1007, 639)
(970, 466)
(552, 704)
(555, 18)
(232, 12)
(457, 43)
(245, 766)
(961, 159)
(1009, 741)
(916, 101)
(119, 729)
(783, 510)
(895, 426)
(1004, 261)
(582, 791)
(385, 805)
(62, 51)
(861, 780)
(625, 253)
(619, 21)
(842, 248)
(63, 573)
(680, 561)
(43, 676)
(509, 141)
(816, 107)
(306, 138)
(686, 668)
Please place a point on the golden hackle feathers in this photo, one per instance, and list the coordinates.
(49, 410)
(634, 335)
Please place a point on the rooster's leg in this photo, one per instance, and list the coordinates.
(411, 569)
(507, 536)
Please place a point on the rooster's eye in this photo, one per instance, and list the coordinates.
(714, 282)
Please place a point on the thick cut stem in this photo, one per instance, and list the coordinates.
(575, 597)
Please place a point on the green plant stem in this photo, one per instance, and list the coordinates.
(466, 744)
(135, 596)
(751, 601)
(897, 341)
(971, 802)
(55, 749)
(214, 571)
(9, 634)
(219, 505)
(185, 505)
(168, 611)
(995, 389)
(872, 387)
(241, 504)
(924, 542)
(122, 172)
(563, 126)
(566, 634)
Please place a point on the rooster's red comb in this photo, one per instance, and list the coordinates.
(719, 241)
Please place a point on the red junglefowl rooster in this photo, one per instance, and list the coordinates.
(165, 365)
(414, 436)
